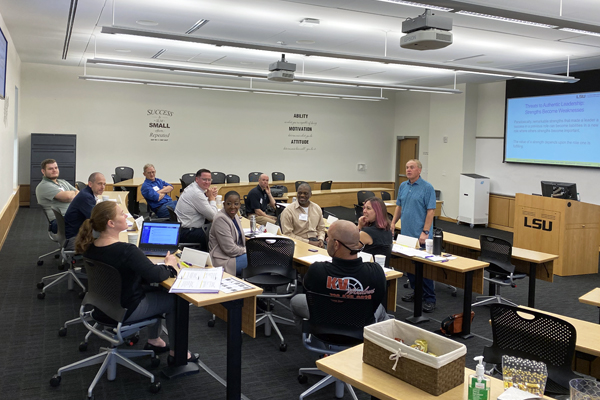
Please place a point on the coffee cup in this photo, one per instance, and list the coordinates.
(380, 259)
(429, 245)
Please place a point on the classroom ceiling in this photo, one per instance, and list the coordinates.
(359, 27)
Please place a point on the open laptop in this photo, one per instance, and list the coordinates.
(157, 238)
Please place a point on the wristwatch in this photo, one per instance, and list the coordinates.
(426, 232)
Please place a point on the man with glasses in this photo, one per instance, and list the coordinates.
(196, 205)
(156, 192)
(346, 275)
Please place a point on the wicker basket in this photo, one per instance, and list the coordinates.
(434, 375)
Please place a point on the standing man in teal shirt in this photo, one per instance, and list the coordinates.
(415, 207)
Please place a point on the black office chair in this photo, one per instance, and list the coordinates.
(498, 253)
(150, 215)
(104, 298)
(253, 176)
(218, 177)
(172, 215)
(335, 324)
(124, 173)
(363, 195)
(52, 236)
(282, 187)
(278, 176)
(244, 207)
(542, 338)
(326, 185)
(386, 196)
(270, 266)
(187, 179)
(358, 212)
(80, 185)
(73, 272)
(298, 183)
(231, 178)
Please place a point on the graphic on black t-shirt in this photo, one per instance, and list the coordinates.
(352, 286)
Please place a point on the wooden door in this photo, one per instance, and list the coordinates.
(406, 149)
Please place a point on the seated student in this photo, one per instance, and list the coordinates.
(134, 267)
(333, 278)
(197, 204)
(258, 200)
(53, 192)
(374, 225)
(81, 207)
(227, 242)
(303, 219)
(155, 191)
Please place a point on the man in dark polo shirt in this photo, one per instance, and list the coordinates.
(81, 207)
(258, 200)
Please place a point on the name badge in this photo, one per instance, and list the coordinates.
(303, 217)
(261, 201)
(156, 189)
(61, 189)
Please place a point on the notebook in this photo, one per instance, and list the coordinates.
(157, 238)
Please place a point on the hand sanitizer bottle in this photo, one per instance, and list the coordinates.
(479, 384)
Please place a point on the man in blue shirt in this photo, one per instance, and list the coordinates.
(415, 207)
(81, 207)
(155, 191)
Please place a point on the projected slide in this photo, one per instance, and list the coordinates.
(561, 130)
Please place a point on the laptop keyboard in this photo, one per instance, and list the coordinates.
(155, 252)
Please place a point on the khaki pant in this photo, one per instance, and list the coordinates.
(260, 220)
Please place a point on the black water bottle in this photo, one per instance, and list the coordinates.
(438, 238)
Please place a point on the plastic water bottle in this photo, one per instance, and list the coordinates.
(253, 223)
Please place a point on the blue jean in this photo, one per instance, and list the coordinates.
(54, 226)
(241, 262)
(162, 212)
(428, 288)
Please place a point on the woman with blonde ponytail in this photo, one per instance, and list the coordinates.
(108, 220)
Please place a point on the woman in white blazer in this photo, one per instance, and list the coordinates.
(227, 243)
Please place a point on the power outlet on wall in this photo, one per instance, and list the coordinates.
(361, 167)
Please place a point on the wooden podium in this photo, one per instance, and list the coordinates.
(567, 228)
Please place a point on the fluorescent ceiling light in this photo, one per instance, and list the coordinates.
(505, 19)
(199, 24)
(538, 79)
(328, 54)
(580, 31)
(486, 73)
(172, 85)
(420, 5)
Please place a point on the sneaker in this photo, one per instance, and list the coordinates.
(409, 298)
(428, 307)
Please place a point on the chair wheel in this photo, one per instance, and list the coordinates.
(40, 285)
(211, 323)
(155, 387)
(41, 295)
(62, 332)
(83, 346)
(283, 347)
(155, 361)
(90, 397)
(40, 262)
(61, 266)
(55, 381)
(81, 295)
(302, 378)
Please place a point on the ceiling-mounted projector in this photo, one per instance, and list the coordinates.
(281, 71)
(428, 31)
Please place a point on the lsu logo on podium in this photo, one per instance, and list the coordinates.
(538, 223)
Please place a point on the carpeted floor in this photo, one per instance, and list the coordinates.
(32, 350)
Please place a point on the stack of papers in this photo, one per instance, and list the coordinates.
(230, 285)
(315, 258)
(196, 280)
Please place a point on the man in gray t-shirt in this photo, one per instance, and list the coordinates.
(54, 192)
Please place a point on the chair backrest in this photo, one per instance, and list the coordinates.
(282, 187)
(326, 185)
(339, 320)
(104, 289)
(270, 256)
(187, 179)
(80, 185)
(231, 178)
(298, 183)
(218, 177)
(61, 237)
(358, 212)
(278, 176)
(380, 250)
(124, 173)
(438, 193)
(385, 196)
(244, 207)
(542, 338)
(115, 178)
(172, 215)
(253, 176)
(363, 195)
(497, 252)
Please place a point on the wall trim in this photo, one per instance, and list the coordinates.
(7, 215)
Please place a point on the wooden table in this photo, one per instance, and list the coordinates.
(460, 272)
(341, 197)
(391, 207)
(348, 366)
(592, 298)
(526, 261)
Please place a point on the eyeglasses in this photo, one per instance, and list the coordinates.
(352, 251)
(206, 179)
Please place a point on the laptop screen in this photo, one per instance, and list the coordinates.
(160, 233)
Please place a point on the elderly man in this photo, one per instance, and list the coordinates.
(195, 206)
(303, 220)
(415, 207)
(346, 275)
(156, 192)
(81, 207)
(258, 200)
(53, 192)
